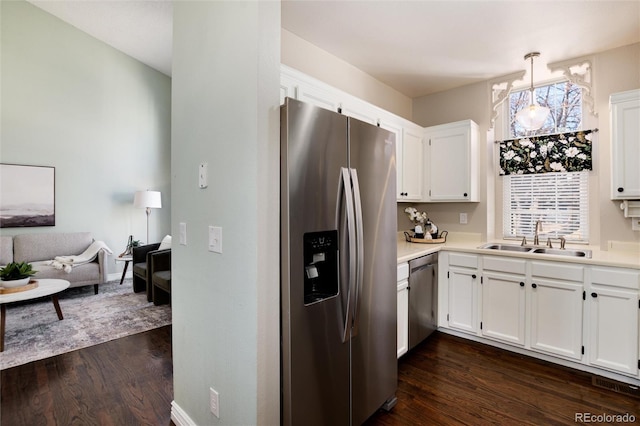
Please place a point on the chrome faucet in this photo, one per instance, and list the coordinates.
(536, 239)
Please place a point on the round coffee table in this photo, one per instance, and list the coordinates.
(46, 287)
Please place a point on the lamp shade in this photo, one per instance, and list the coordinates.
(147, 199)
(532, 117)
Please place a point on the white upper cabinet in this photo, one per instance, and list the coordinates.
(451, 162)
(625, 145)
(410, 174)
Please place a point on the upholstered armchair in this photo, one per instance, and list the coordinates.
(141, 268)
(160, 272)
(142, 265)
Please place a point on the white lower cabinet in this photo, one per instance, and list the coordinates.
(587, 314)
(463, 292)
(556, 317)
(403, 309)
(613, 320)
(503, 300)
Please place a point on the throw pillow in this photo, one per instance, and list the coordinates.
(165, 243)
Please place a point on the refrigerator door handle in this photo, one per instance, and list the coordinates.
(345, 193)
(359, 250)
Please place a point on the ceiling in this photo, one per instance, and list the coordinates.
(416, 47)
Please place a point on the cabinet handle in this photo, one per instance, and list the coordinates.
(465, 194)
(521, 284)
(534, 285)
(473, 276)
(594, 294)
(620, 189)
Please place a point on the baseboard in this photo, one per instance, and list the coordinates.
(179, 416)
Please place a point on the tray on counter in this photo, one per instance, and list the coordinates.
(441, 239)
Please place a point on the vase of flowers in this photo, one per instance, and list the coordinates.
(16, 274)
(418, 219)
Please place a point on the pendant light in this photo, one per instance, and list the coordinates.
(533, 116)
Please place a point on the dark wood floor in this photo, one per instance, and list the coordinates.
(123, 382)
(444, 381)
(450, 381)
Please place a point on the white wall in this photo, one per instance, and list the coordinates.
(225, 112)
(315, 62)
(614, 71)
(101, 118)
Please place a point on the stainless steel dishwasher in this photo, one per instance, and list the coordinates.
(423, 298)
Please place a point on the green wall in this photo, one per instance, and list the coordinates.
(101, 118)
(226, 73)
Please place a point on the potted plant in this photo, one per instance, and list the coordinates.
(16, 274)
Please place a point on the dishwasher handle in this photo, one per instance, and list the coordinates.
(422, 262)
(421, 267)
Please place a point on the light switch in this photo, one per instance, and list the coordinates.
(203, 178)
(183, 233)
(215, 239)
(463, 218)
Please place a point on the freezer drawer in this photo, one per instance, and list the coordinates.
(423, 298)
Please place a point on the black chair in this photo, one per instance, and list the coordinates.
(161, 276)
(141, 277)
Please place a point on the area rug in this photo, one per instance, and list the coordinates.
(34, 332)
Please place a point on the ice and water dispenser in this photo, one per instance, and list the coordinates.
(320, 266)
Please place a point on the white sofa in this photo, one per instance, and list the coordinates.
(37, 249)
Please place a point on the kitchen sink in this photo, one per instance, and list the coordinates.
(507, 247)
(537, 250)
(563, 252)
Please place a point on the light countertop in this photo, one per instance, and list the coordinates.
(469, 243)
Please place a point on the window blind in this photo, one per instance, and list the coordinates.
(559, 200)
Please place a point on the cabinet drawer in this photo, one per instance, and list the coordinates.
(557, 271)
(615, 277)
(403, 271)
(501, 264)
(465, 260)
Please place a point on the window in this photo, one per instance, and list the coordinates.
(564, 99)
(559, 199)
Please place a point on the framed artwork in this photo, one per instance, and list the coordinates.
(27, 196)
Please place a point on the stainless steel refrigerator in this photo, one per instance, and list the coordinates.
(338, 267)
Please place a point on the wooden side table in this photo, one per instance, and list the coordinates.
(126, 259)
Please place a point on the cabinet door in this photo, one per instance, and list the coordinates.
(613, 329)
(503, 307)
(412, 161)
(556, 317)
(463, 299)
(318, 97)
(403, 317)
(452, 162)
(288, 88)
(396, 130)
(625, 149)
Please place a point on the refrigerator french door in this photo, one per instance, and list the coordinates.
(338, 267)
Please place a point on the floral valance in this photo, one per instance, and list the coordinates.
(562, 152)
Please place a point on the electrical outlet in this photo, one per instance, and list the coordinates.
(214, 402)
(635, 223)
(463, 218)
(215, 239)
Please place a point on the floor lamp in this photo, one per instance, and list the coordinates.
(147, 200)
